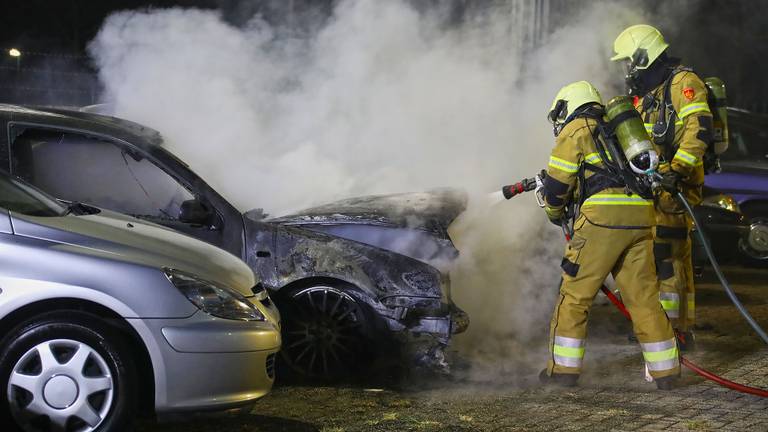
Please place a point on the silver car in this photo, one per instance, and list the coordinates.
(103, 317)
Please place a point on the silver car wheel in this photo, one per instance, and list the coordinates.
(756, 243)
(63, 380)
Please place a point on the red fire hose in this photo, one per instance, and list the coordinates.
(529, 185)
(687, 363)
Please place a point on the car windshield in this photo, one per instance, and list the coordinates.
(19, 197)
(748, 142)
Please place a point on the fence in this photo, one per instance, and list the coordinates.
(35, 78)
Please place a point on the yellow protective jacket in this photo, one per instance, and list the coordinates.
(692, 122)
(610, 207)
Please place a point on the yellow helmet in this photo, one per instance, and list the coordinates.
(569, 99)
(641, 44)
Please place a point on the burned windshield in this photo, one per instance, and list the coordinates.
(22, 198)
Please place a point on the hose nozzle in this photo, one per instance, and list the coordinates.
(525, 185)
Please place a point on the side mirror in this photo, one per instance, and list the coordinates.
(195, 212)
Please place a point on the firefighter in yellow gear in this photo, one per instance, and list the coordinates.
(672, 101)
(612, 235)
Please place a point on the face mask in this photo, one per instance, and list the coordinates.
(557, 116)
(633, 79)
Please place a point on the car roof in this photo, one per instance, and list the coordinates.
(746, 115)
(87, 120)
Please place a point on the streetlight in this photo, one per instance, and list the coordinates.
(13, 52)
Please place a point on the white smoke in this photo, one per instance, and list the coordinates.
(383, 98)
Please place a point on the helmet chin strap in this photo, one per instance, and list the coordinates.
(557, 128)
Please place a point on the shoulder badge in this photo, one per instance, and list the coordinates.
(689, 93)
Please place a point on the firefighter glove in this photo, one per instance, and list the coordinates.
(670, 181)
(555, 215)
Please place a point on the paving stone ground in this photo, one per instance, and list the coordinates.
(612, 394)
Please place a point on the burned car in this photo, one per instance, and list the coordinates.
(354, 279)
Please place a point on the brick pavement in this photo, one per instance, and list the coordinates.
(624, 405)
(612, 395)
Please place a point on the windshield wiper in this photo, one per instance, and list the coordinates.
(74, 208)
(79, 209)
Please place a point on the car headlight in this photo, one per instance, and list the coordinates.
(722, 201)
(213, 299)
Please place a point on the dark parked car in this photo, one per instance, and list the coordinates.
(726, 228)
(745, 177)
(354, 280)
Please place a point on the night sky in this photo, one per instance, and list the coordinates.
(53, 36)
(727, 38)
(66, 25)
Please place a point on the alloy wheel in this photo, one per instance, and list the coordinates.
(756, 243)
(324, 336)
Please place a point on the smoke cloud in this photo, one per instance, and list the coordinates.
(381, 97)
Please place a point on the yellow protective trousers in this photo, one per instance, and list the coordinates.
(674, 267)
(593, 253)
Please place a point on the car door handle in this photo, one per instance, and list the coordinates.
(263, 254)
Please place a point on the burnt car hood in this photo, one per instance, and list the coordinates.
(431, 211)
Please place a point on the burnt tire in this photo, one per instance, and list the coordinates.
(66, 371)
(327, 334)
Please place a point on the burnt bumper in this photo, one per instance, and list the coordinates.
(452, 321)
(423, 329)
(426, 316)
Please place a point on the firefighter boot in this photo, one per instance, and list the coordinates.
(558, 379)
(666, 383)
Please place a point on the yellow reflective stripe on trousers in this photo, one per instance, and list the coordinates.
(568, 352)
(670, 302)
(692, 108)
(661, 356)
(616, 199)
(685, 157)
(563, 165)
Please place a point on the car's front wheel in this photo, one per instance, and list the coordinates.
(66, 372)
(326, 333)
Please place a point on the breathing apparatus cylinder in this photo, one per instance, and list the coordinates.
(631, 135)
(717, 103)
